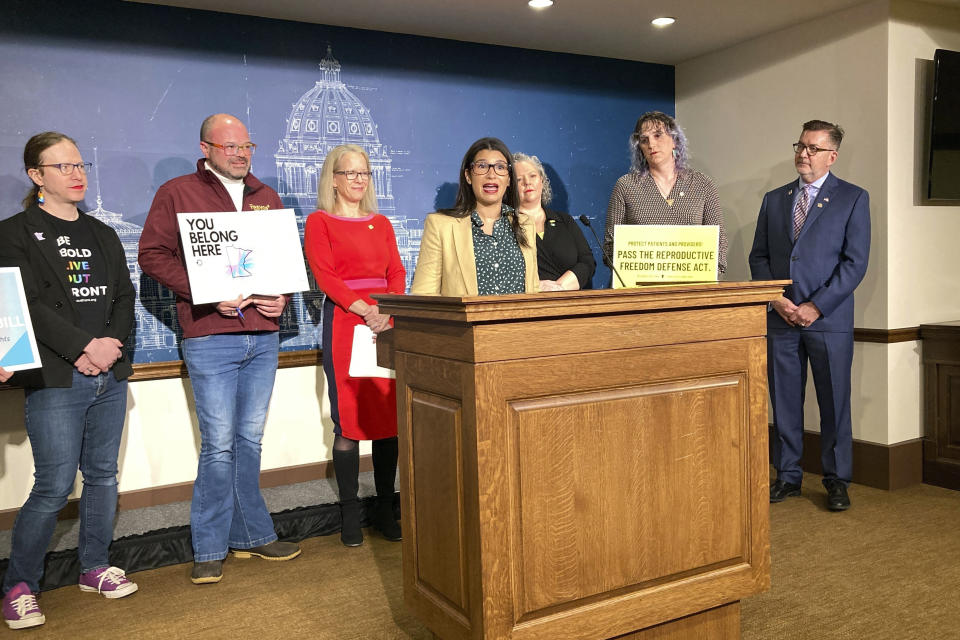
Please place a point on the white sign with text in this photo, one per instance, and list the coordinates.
(242, 253)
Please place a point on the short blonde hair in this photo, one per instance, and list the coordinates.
(327, 195)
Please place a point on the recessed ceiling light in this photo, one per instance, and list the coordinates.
(663, 22)
(540, 4)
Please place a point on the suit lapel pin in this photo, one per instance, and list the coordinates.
(790, 193)
(669, 202)
(820, 205)
(369, 226)
(826, 199)
(681, 194)
(553, 223)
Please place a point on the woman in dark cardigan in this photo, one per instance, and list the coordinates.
(564, 259)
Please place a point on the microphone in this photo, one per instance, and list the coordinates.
(585, 221)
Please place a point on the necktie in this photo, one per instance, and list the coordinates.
(800, 211)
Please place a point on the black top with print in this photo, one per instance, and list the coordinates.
(84, 275)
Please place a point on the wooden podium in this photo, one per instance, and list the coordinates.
(584, 464)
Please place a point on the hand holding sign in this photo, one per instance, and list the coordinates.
(270, 306)
(233, 308)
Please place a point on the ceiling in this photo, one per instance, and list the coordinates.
(609, 28)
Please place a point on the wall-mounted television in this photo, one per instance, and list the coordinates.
(944, 180)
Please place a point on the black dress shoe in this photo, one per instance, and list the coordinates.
(780, 491)
(837, 498)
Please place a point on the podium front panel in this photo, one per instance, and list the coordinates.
(584, 477)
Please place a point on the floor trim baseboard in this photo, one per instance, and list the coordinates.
(882, 466)
(183, 491)
(887, 336)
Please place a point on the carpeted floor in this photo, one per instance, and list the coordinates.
(886, 569)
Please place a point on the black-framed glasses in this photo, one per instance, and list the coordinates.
(231, 149)
(354, 175)
(481, 167)
(66, 168)
(812, 149)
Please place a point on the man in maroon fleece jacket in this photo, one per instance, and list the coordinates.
(231, 350)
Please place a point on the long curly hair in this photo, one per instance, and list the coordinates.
(659, 120)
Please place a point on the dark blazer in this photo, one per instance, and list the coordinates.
(563, 248)
(28, 240)
(828, 259)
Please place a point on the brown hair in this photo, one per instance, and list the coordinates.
(466, 200)
(31, 158)
(834, 131)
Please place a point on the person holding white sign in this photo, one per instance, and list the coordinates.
(231, 349)
(661, 187)
(353, 253)
(80, 297)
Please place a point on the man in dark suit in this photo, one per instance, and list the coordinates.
(816, 232)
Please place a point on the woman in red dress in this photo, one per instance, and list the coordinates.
(353, 253)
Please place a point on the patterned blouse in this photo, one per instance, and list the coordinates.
(693, 200)
(500, 265)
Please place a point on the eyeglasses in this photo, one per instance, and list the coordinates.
(231, 149)
(812, 150)
(66, 168)
(480, 168)
(354, 175)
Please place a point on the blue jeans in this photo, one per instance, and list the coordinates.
(232, 376)
(73, 427)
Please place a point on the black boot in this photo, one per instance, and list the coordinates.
(346, 466)
(384, 477)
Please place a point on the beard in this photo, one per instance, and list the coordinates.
(227, 168)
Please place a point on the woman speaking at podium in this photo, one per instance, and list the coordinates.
(564, 259)
(352, 252)
(661, 187)
(482, 246)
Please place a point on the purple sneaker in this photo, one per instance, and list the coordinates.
(20, 608)
(111, 582)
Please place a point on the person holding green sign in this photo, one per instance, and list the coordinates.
(661, 187)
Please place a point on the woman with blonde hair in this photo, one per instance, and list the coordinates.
(353, 253)
(564, 259)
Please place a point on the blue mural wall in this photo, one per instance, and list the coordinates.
(132, 83)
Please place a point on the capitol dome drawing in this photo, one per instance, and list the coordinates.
(327, 115)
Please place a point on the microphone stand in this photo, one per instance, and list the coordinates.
(607, 260)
